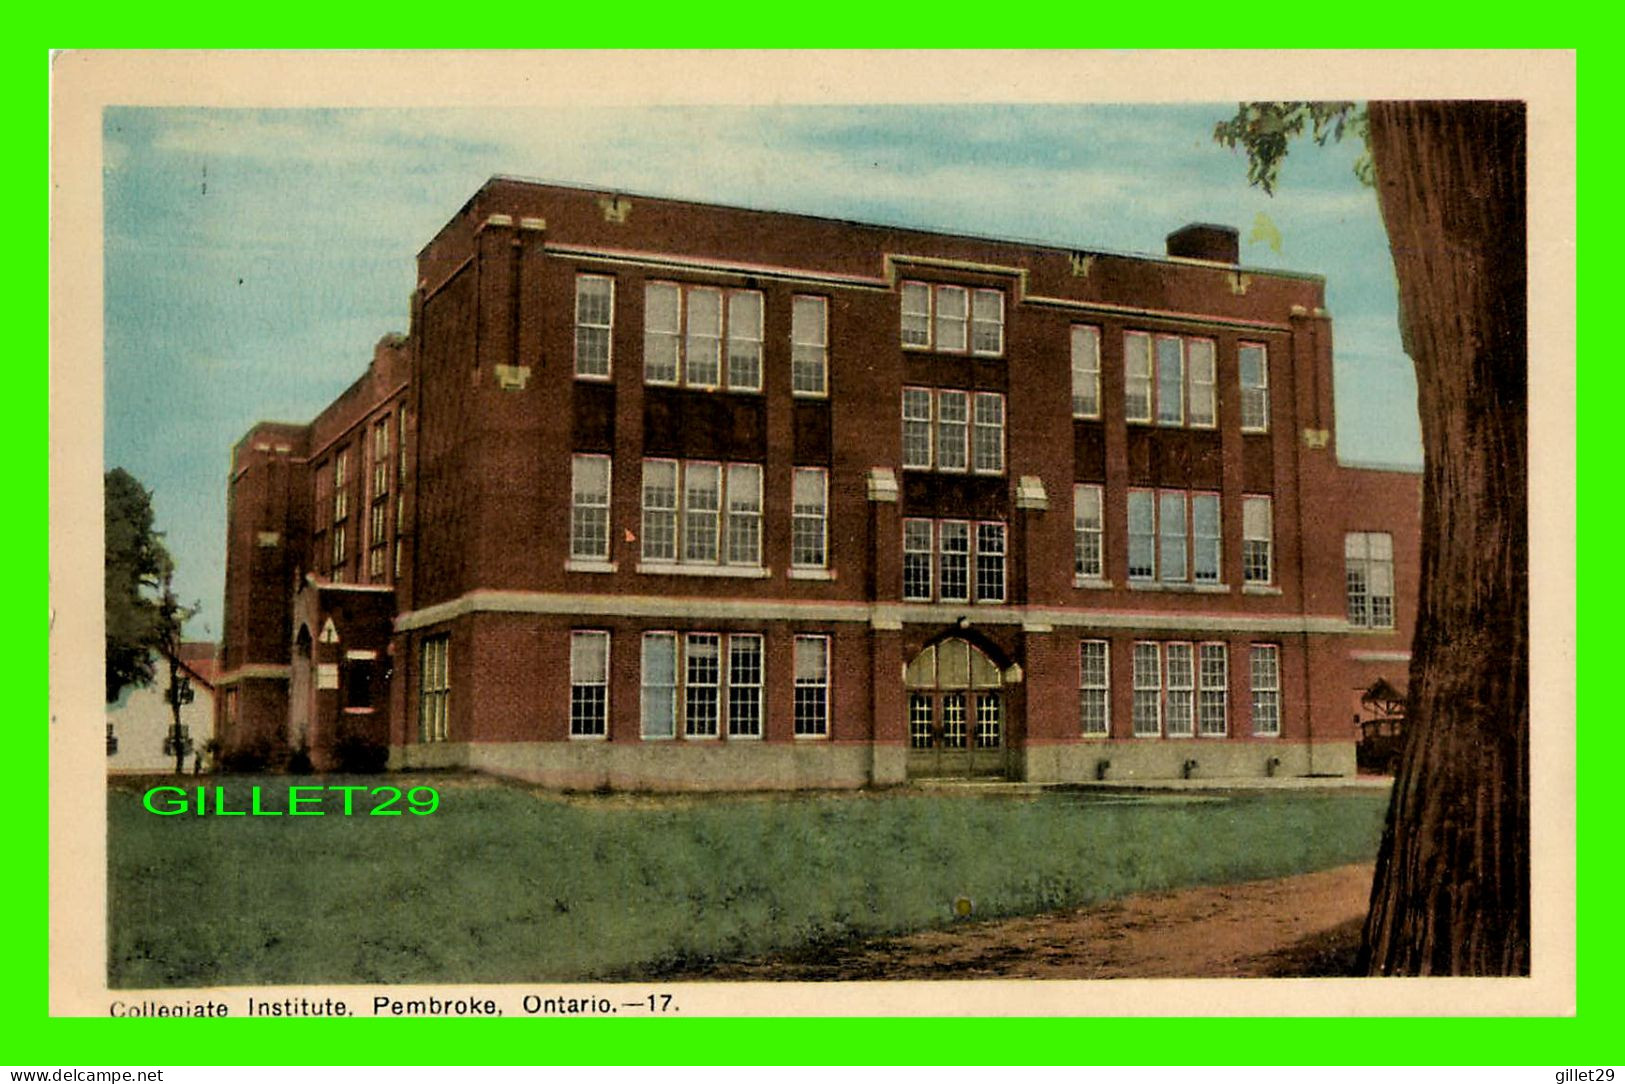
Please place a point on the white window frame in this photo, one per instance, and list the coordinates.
(434, 688)
(987, 436)
(736, 684)
(581, 505)
(1145, 538)
(995, 321)
(1086, 527)
(940, 293)
(1173, 535)
(930, 321)
(805, 352)
(1166, 419)
(1178, 688)
(986, 559)
(1209, 393)
(583, 728)
(1089, 688)
(645, 685)
(694, 704)
(671, 338)
(1213, 542)
(1085, 371)
(953, 433)
(1254, 536)
(1212, 688)
(741, 338)
(1264, 669)
(685, 340)
(702, 345)
(725, 520)
(608, 329)
(811, 681)
(1255, 398)
(809, 519)
(1138, 347)
(1360, 558)
(743, 521)
(1144, 682)
(920, 397)
(918, 555)
(965, 555)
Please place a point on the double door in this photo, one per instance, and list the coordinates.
(958, 733)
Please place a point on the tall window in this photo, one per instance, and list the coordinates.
(1094, 687)
(968, 433)
(1181, 694)
(917, 578)
(589, 507)
(1147, 690)
(1088, 533)
(377, 539)
(702, 685)
(809, 345)
(595, 321)
(1174, 536)
(659, 707)
(917, 428)
(434, 689)
(952, 428)
(1215, 690)
(1253, 364)
(808, 517)
(1257, 540)
(1368, 560)
(744, 514)
(1266, 679)
(744, 686)
(1169, 379)
(683, 513)
(953, 567)
(685, 327)
(341, 485)
(990, 562)
(953, 319)
(987, 444)
(1085, 371)
(812, 686)
(380, 459)
(589, 684)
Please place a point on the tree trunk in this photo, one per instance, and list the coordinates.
(1451, 895)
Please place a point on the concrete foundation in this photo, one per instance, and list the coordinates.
(1128, 761)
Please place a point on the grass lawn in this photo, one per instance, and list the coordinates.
(508, 884)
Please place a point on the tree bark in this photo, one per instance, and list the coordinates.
(1451, 895)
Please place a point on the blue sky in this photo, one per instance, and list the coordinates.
(253, 257)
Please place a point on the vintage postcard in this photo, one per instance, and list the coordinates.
(811, 534)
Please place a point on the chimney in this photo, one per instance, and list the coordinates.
(1205, 241)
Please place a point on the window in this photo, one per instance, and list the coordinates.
(968, 432)
(916, 428)
(987, 455)
(595, 321)
(703, 684)
(1199, 357)
(1257, 540)
(1088, 533)
(744, 686)
(745, 340)
(953, 565)
(378, 540)
(809, 346)
(589, 684)
(917, 559)
(702, 680)
(1181, 684)
(990, 562)
(685, 327)
(434, 689)
(1368, 559)
(1266, 677)
(1174, 536)
(1215, 686)
(339, 554)
(401, 444)
(744, 514)
(808, 498)
(1255, 388)
(589, 507)
(1147, 690)
(1169, 379)
(1085, 371)
(1094, 685)
(380, 459)
(659, 709)
(953, 319)
(341, 485)
(951, 430)
(812, 686)
(691, 532)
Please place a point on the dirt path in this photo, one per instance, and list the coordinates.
(1304, 925)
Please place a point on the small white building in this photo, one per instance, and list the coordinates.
(139, 723)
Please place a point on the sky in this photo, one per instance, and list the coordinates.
(253, 257)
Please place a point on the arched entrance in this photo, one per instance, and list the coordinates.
(956, 709)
